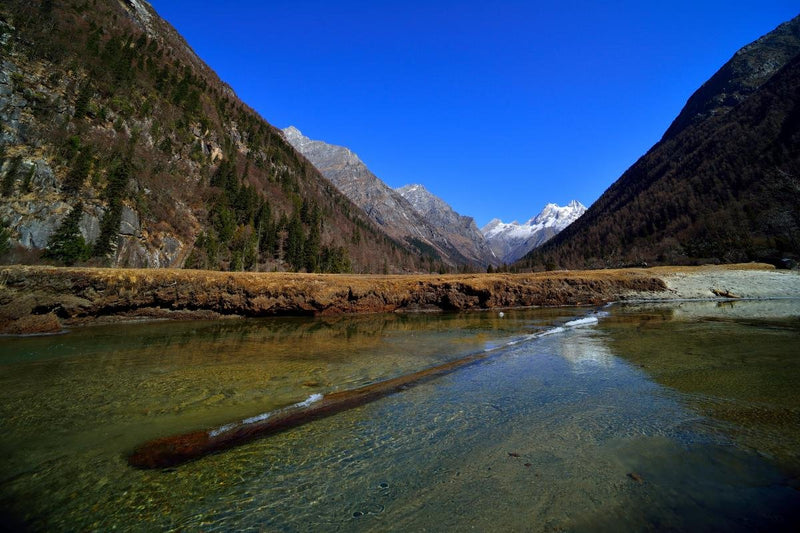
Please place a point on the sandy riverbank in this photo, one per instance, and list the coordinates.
(755, 281)
(35, 299)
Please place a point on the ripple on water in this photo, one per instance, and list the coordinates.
(549, 431)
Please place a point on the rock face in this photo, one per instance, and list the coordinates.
(34, 205)
(390, 209)
(459, 230)
(510, 241)
(111, 110)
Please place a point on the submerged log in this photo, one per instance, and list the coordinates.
(178, 449)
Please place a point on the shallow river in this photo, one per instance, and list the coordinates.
(659, 416)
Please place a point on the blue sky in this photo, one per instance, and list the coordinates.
(497, 107)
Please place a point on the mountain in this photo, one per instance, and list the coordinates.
(460, 231)
(723, 185)
(119, 146)
(746, 71)
(389, 209)
(510, 241)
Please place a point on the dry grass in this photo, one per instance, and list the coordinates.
(83, 295)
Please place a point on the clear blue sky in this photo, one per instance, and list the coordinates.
(497, 107)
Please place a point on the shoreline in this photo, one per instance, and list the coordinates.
(42, 299)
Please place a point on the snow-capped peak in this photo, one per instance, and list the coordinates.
(291, 131)
(554, 215)
(512, 240)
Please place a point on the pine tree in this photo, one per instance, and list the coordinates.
(11, 176)
(294, 242)
(114, 193)
(67, 244)
(311, 250)
(82, 102)
(5, 237)
(76, 177)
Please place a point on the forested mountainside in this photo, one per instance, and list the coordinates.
(746, 71)
(120, 147)
(723, 185)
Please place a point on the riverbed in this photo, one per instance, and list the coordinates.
(680, 415)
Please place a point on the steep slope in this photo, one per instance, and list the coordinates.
(723, 188)
(746, 71)
(459, 230)
(513, 240)
(386, 207)
(108, 116)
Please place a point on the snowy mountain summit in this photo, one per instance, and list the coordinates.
(510, 241)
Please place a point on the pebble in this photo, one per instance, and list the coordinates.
(636, 477)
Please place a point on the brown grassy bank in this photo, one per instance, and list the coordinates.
(41, 299)
(37, 299)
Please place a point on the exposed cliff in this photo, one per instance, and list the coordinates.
(107, 113)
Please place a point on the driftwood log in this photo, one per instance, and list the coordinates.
(178, 449)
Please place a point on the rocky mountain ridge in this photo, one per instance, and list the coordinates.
(438, 232)
(461, 230)
(511, 241)
(119, 143)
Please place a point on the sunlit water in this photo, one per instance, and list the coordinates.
(668, 417)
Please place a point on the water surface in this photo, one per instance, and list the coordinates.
(661, 416)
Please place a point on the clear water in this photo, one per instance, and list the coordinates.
(671, 417)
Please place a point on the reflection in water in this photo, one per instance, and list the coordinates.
(735, 361)
(600, 427)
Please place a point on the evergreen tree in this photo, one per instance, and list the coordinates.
(236, 261)
(67, 244)
(5, 237)
(76, 177)
(11, 176)
(82, 102)
(197, 258)
(212, 251)
(250, 253)
(223, 221)
(294, 242)
(114, 194)
(334, 260)
(311, 250)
